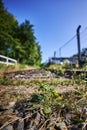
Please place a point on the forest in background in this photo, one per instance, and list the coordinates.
(18, 40)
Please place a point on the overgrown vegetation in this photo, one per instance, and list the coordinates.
(48, 97)
(50, 100)
(47, 100)
(68, 107)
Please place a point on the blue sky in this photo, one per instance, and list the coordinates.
(55, 22)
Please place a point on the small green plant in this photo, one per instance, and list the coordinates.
(47, 110)
(48, 97)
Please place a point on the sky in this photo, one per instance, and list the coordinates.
(55, 22)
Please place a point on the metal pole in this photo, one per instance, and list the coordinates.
(59, 52)
(78, 42)
(54, 54)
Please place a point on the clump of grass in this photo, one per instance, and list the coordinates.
(5, 68)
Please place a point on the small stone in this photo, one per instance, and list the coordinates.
(11, 104)
(20, 125)
(8, 111)
(74, 128)
(36, 117)
(60, 126)
(9, 127)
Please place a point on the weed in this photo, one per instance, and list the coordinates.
(48, 97)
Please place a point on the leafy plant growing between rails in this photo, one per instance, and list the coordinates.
(48, 98)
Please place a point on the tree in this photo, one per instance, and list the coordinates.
(18, 41)
(8, 28)
(84, 52)
(32, 54)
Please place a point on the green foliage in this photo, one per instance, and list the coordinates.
(47, 110)
(31, 54)
(58, 69)
(46, 96)
(37, 98)
(67, 65)
(5, 82)
(4, 68)
(80, 79)
(18, 41)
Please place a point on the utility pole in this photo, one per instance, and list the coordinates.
(78, 42)
(54, 54)
(59, 52)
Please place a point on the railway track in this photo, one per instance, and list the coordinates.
(11, 121)
(29, 74)
(70, 73)
(40, 74)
